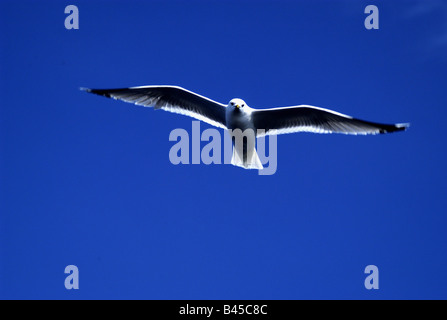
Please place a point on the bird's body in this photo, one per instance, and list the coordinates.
(239, 122)
(238, 118)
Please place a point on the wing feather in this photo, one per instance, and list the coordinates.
(170, 98)
(318, 120)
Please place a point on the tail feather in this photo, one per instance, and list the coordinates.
(251, 161)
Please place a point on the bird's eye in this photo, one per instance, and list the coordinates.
(232, 103)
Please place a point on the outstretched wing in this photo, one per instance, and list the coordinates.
(318, 120)
(172, 99)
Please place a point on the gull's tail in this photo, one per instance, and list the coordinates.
(246, 160)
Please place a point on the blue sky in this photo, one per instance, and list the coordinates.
(87, 181)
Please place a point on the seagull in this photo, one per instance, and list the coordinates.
(238, 115)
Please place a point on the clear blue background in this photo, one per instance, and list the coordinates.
(87, 181)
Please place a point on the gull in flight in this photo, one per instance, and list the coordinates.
(238, 115)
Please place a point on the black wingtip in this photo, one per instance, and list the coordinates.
(394, 127)
(105, 93)
(402, 126)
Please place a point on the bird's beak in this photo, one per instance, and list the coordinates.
(238, 106)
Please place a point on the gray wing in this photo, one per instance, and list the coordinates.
(172, 99)
(318, 120)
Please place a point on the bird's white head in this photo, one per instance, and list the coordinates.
(237, 103)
